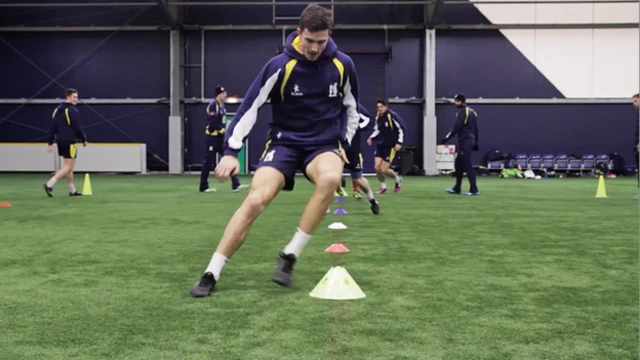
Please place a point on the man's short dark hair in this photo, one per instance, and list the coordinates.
(70, 92)
(316, 18)
(636, 96)
(380, 101)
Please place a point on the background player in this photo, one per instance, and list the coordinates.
(216, 121)
(389, 132)
(466, 128)
(354, 155)
(311, 86)
(636, 104)
(66, 128)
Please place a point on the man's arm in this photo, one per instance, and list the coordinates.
(53, 129)
(400, 127)
(365, 118)
(247, 115)
(350, 99)
(476, 129)
(376, 130)
(73, 117)
(461, 119)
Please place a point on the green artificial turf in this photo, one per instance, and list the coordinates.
(531, 269)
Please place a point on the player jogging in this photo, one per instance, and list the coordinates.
(66, 129)
(313, 90)
(388, 131)
(354, 155)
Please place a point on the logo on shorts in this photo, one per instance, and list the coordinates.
(269, 156)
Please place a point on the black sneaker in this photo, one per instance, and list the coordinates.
(204, 287)
(75, 194)
(48, 190)
(284, 270)
(375, 207)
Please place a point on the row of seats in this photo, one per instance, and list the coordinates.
(560, 162)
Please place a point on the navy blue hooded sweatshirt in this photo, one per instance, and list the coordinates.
(389, 129)
(466, 126)
(313, 103)
(216, 119)
(65, 124)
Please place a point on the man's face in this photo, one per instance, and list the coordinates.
(636, 102)
(73, 98)
(313, 43)
(222, 96)
(458, 103)
(381, 108)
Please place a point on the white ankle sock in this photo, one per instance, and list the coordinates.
(298, 243)
(72, 188)
(216, 264)
(370, 195)
(397, 178)
(383, 185)
(51, 182)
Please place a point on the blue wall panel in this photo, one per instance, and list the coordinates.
(486, 64)
(135, 123)
(81, 16)
(550, 128)
(130, 64)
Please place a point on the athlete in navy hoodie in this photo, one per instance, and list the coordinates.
(313, 91)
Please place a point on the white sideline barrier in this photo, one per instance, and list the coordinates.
(97, 157)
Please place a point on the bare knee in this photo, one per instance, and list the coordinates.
(257, 201)
(330, 180)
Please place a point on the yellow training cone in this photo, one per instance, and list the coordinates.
(601, 192)
(337, 284)
(86, 185)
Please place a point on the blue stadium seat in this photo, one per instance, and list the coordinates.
(562, 162)
(548, 161)
(535, 161)
(522, 161)
(588, 161)
(575, 164)
(495, 165)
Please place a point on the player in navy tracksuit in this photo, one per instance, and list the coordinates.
(354, 155)
(66, 129)
(636, 103)
(313, 91)
(466, 128)
(388, 132)
(216, 120)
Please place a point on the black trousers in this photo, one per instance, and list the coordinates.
(214, 147)
(637, 164)
(463, 164)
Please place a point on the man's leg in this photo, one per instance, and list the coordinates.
(68, 155)
(209, 161)
(69, 176)
(366, 188)
(265, 185)
(378, 161)
(386, 166)
(325, 171)
(458, 168)
(471, 174)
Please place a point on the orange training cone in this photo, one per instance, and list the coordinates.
(337, 248)
(5, 204)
